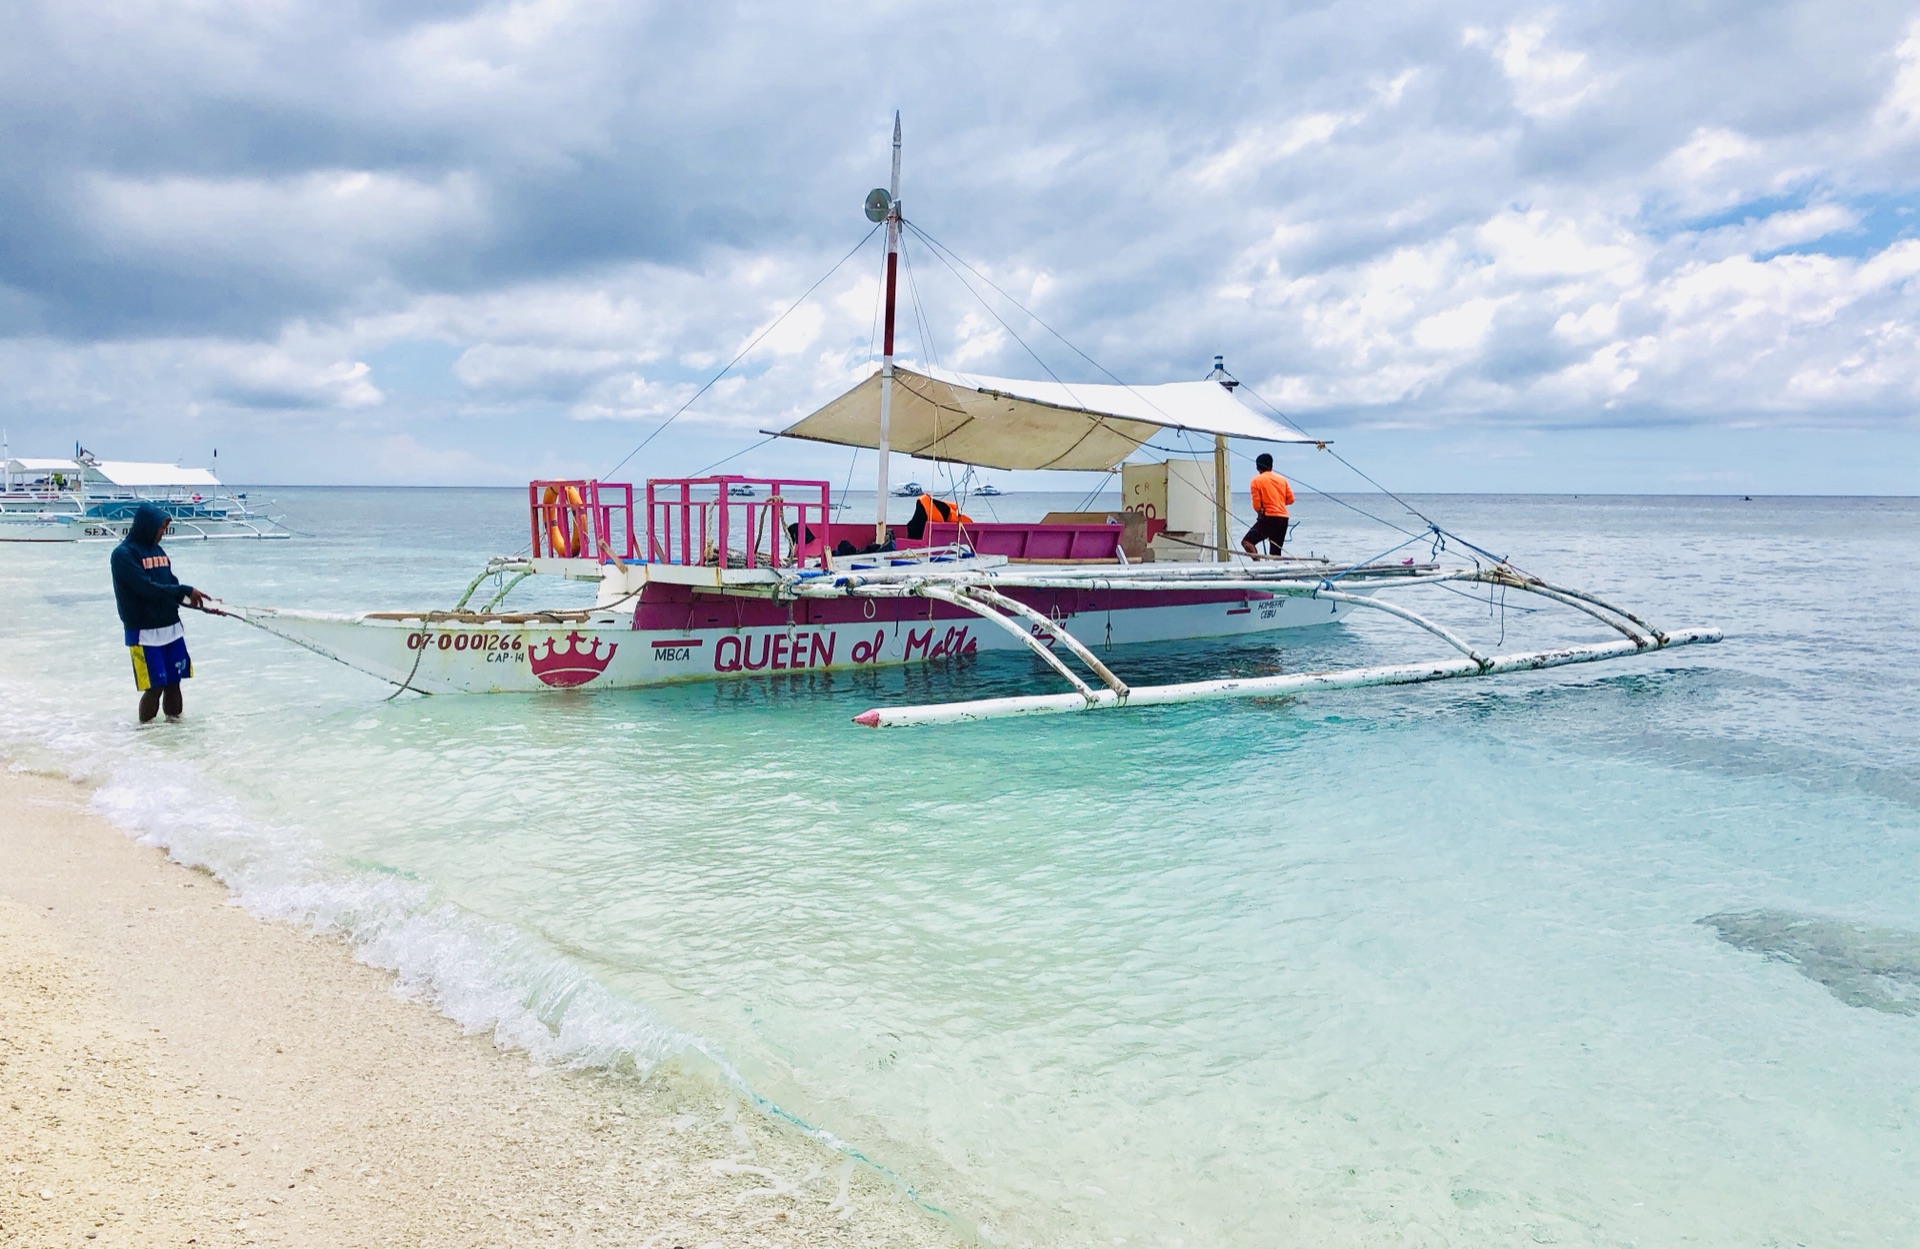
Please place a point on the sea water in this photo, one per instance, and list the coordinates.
(1621, 955)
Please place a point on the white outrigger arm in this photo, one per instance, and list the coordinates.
(977, 591)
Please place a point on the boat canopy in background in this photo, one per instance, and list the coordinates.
(134, 473)
(996, 422)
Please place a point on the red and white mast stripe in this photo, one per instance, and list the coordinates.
(886, 342)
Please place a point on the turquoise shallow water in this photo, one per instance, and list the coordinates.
(1417, 966)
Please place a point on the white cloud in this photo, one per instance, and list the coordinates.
(1900, 110)
(317, 221)
(401, 459)
(1547, 82)
(523, 367)
(1266, 145)
(226, 215)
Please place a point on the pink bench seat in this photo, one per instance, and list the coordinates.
(1019, 540)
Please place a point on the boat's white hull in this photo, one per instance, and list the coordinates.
(51, 527)
(604, 651)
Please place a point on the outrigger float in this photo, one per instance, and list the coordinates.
(719, 577)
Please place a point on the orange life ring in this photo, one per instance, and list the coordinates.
(578, 522)
(567, 517)
(559, 523)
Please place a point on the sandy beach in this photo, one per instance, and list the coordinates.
(178, 1072)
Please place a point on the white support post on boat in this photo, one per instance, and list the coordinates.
(1411, 617)
(1580, 600)
(1267, 687)
(1222, 486)
(985, 612)
(1222, 475)
(1054, 629)
(886, 345)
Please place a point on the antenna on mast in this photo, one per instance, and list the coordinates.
(884, 205)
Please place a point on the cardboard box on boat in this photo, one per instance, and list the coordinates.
(1179, 492)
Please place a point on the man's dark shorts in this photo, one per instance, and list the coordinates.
(1268, 529)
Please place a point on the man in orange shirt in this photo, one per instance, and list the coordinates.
(1271, 495)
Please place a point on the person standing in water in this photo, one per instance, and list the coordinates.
(1271, 495)
(149, 597)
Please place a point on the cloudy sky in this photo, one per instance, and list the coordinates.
(1643, 246)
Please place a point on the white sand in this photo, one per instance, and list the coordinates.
(176, 1072)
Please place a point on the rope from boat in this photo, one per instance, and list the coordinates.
(1347, 572)
(244, 616)
(411, 673)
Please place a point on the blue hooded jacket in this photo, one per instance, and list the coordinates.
(144, 587)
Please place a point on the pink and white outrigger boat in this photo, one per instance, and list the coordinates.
(725, 577)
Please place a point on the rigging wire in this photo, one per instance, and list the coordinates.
(736, 455)
(851, 465)
(710, 382)
(955, 486)
(1435, 526)
(879, 301)
(951, 258)
(1099, 486)
(1298, 481)
(940, 253)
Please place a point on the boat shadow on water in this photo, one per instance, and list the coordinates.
(991, 674)
(1861, 965)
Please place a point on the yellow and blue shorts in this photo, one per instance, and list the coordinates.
(159, 657)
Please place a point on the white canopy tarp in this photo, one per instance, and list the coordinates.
(997, 422)
(41, 466)
(134, 473)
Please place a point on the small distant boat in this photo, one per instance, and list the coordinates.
(84, 498)
(741, 490)
(910, 490)
(988, 490)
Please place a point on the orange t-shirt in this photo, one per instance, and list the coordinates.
(1271, 494)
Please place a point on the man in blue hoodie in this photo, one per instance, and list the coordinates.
(149, 598)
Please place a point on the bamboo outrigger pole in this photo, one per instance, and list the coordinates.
(886, 342)
(1269, 687)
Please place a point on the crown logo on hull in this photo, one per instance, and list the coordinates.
(570, 667)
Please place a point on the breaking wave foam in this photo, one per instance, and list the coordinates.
(486, 976)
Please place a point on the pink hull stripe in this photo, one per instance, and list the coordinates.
(679, 609)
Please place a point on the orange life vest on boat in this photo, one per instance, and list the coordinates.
(944, 512)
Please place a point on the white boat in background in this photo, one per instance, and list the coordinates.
(908, 490)
(84, 498)
(697, 582)
(988, 490)
(741, 490)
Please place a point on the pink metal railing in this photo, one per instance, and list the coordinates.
(582, 519)
(695, 520)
